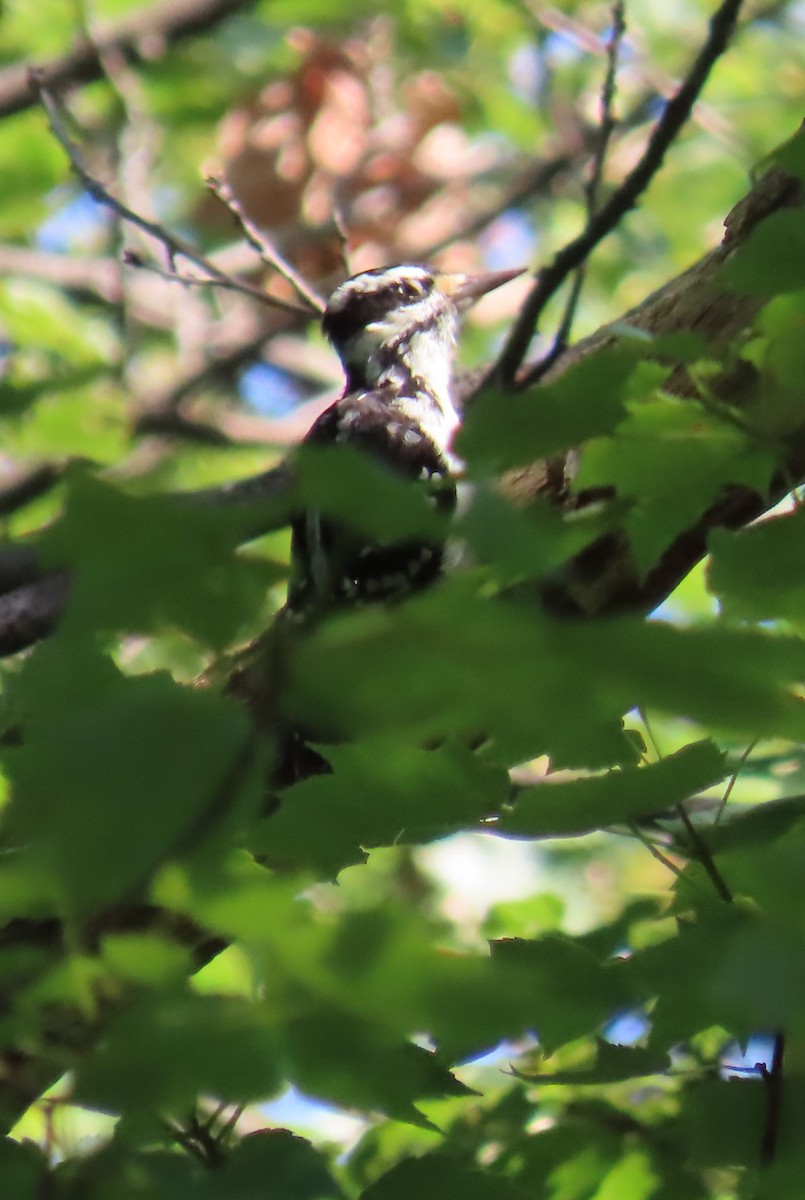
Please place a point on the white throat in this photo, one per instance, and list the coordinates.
(426, 359)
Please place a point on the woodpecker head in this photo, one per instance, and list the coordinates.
(397, 326)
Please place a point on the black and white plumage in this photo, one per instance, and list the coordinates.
(395, 331)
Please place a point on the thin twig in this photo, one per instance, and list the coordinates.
(227, 282)
(592, 188)
(650, 734)
(225, 1132)
(550, 278)
(342, 237)
(607, 107)
(174, 246)
(701, 852)
(36, 483)
(655, 851)
(260, 242)
(734, 779)
(773, 1078)
(167, 423)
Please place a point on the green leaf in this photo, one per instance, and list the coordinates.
(118, 1170)
(35, 314)
(23, 1170)
(612, 1063)
(688, 976)
(166, 1050)
(722, 1121)
(790, 156)
(115, 778)
(523, 543)
(759, 573)
(661, 441)
(146, 958)
(357, 491)
(146, 563)
(385, 962)
(560, 967)
(379, 793)
(504, 431)
(435, 1177)
(782, 321)
(464, 665)
(756, 826)
(277, 1161)
(633, 1177)
(772, 259)
(356, 1063)
(560, 809)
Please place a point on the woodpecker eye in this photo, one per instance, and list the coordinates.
(409, 291)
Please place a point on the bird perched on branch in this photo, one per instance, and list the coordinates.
(395, 331)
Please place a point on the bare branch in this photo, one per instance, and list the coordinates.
(260, 242)
(167, 423)
(551, 277)
(701, 852)
(36, 483)
(655, 80)
(228, 283)
(144, 35)
(31, 612)
(607, 121)
(591, 191)
(174, 245)
(694, 300)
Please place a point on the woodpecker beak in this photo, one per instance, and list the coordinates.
(464, 290)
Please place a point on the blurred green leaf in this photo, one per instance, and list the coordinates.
(167, 1049)
(790, 155)
(139, 765)
(435, 1176)
(504, 431)
(771, 259)
(506, 671)
(659, 443)
(23, 1170)
(612, 1063)
(523, 543)
(278, 1161)
(380, 792)
(562, 968)
(686, 974)
(559, 809)
(722, 1121)
(143, 563)
(353, 489)
(760, 824)
(759, 573)
(356, 1063)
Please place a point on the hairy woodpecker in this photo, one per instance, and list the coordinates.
(395, 331)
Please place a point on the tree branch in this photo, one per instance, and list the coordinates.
(692, 301)
(600, 580)
(174, 245)
(551, 277)
(143, 36)
(591, 190)
(260, 242)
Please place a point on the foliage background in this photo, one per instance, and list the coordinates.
(174, 956)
